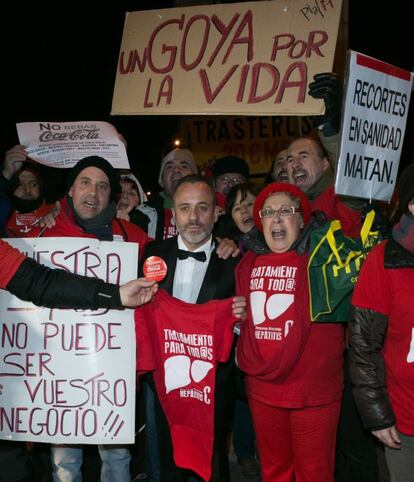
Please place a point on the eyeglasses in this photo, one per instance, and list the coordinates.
(284, 212)
(234, 179)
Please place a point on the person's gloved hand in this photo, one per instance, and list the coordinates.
(328, 87)
(381, 222)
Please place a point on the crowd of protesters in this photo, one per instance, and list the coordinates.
(304, 401)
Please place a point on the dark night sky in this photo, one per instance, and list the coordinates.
(59, 64)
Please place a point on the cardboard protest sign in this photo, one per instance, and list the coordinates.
(242, 58)
(374, 119)
(257, 139)
(63, 144)
(68, 376)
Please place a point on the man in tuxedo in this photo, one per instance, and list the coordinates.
(197, 275)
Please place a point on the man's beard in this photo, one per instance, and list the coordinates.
(194, 238)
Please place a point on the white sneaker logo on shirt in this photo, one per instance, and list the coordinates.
(179, 371)
(274, 306)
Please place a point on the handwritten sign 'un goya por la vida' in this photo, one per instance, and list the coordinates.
(242, 58)
(68, 376)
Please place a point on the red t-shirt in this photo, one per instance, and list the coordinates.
(181, 343)
(11, 259)
(390, 292)
(289, 361)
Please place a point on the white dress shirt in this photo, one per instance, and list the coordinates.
(189, 273)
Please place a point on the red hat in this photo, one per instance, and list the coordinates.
(274, 188)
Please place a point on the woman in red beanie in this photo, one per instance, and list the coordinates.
(293, 368)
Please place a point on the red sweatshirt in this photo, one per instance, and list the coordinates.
(289, 362)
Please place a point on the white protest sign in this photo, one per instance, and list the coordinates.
(68, 376)
(63, 144)
(374, 119)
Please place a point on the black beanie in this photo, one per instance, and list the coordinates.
(100, 163)
(406, 187)
(226, 164)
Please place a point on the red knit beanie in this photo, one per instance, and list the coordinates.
(274, 188)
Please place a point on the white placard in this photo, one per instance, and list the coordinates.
(374, 120)
(63, 144)
(68, 376)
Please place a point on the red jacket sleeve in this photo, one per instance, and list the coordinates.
(11, 259)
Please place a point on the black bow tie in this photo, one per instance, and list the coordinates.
(199, 256)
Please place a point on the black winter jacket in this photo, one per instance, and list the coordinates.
(57, 288)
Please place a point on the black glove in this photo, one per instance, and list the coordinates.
(381, 222)
(328, 87)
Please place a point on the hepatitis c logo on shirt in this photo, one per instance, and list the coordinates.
(179, 371)
(271, 308)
